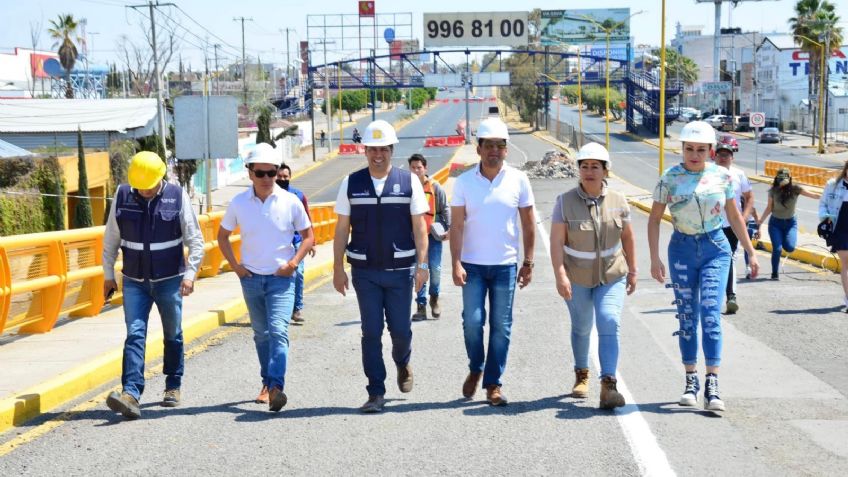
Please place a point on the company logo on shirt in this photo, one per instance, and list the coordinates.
(360, 194)
(169, 201)
(396, 189)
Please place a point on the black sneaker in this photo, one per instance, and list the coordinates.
(690, 394)
(774, 276)
(712, 401)
(732, 306)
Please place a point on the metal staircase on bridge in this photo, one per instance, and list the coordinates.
(643, 96)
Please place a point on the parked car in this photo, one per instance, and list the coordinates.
(730, 141)
(744, 122)
(690, 114)
(770, 135)
(716, 120)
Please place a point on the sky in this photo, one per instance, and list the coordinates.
(108, 20)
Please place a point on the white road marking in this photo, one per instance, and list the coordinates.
(650, 458)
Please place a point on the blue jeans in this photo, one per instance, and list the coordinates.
(434, 261)
(298, 282)
(383, 296)
(602, 305)
(784, 235)
(139, 298)
(498, 281)
(698, 267)
(269, 301)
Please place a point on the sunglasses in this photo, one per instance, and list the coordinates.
(259, 173)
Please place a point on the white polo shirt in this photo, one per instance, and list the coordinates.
(266, 228)
(492, 223)
(741, 185)
(418, 203)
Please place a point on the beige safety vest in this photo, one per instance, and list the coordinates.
(593, 253)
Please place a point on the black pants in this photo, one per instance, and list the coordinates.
(734, 243)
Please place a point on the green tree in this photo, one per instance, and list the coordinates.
(263, 125)
(679, 67)
(417, 98)
(352, 101)
(64, 31)
(815, 21)
(82, 212)
(152, 143)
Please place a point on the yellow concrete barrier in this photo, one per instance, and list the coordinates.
(46, 275)
(808, 175)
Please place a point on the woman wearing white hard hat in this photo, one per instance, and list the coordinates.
(594, 260)
(695, 191)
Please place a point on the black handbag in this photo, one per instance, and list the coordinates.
(825, 231)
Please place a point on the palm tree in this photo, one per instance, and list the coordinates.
(64, 31)
(680, 67)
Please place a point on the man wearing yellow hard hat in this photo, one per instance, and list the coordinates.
(150, 221)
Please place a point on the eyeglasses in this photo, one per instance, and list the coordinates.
(259, 173)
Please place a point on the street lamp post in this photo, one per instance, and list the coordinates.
(822, 91)
(559, 93)
(608, 31)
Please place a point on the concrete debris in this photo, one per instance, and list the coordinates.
(554, 165)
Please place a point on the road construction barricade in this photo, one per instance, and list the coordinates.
(444, 141)
(808, 175)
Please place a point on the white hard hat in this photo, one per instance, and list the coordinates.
(698, 131)
(594, 151)
(263, 153)
(379, 133)
(492, 128)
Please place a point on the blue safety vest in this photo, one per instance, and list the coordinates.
(381, 226)
(151, 236)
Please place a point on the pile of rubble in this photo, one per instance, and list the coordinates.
(554, 165)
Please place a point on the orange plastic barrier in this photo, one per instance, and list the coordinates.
(808, 175)
(345, 149)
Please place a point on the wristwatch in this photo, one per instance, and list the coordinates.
(528, 263)
(423, 266)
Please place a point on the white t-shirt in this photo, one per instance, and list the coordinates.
(492, 222)
(741, 185)
(266, 228)
(417, 205)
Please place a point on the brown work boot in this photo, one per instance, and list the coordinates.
(404, 378)
(297, 317)
(494, 395)
(373, 405)
(435, 310)
(610, 397)
(263, 396)
(171, 398)
(420, 314)
(277, 399)
(581, 383)
(125, 404)
(472, 382)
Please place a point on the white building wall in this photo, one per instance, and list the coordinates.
(15, 69)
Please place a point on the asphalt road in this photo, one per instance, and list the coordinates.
(783, 379)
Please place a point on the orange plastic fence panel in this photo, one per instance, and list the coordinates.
(5, 288)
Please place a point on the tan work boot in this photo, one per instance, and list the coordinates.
(171, 398)
(124, 403)
(420, 314)
(472, 382)
(435, 310)
(277, 399)
(610, 397)
(404, 378)
(297, 317)
(494, 395)
(262, 398)
(581, 383)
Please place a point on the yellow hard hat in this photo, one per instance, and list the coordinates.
(146, 170)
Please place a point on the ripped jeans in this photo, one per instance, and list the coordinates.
(698, 266)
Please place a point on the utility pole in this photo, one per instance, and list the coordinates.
(288, 56)
(217, 73)
(327, 95)
(243, 60)
(160, 110)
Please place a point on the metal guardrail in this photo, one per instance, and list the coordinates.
(808, 175)
(47, 275)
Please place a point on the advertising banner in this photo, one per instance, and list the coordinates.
(585, 26)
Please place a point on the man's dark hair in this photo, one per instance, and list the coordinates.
(283, 165)
(418, 157)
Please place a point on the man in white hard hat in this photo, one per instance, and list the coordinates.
(382, 209)
(267, 217)
(487, 199)
(150, 221)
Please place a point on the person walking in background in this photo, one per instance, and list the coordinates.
(834, 212)
(783, 226)
(695, 193)
(486, 206)
(267, 217)
(150, 221)
(284, 181)
(381, 208)
(323, 137)
(743, 194)
(438, 224)
(594, 260)
(753, 234)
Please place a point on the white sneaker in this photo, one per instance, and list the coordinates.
(690, 394)
(747, 272)
(712, 401)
